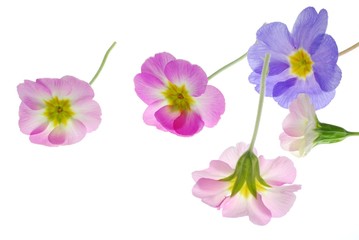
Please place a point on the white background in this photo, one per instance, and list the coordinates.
(128, 180)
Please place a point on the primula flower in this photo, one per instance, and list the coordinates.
(303, 61)
(242, 184)
(57, 111)
(303, 131)
(179, 99)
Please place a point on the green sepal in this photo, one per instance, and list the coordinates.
(328, 133)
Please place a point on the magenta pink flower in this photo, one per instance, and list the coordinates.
(221, 186)
(57, 111)
(179, 99)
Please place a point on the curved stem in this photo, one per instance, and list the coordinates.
(265, 71)
(349, 49)
(102, 64)
(227, 66)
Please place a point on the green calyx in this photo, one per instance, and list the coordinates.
(328, 133)
(246, 178)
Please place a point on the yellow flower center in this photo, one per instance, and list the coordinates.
(301, 63)
(58, 111)
(178, 97)
(244, 191)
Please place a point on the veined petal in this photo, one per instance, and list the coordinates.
(148, 88)
(31, 121)
(235, 206)
(308, 26)
(279, 200)
(232, 154)
(149, 115)
(88, 112)
(156, 65)
(80, 90)
(181, 72)
(33, 94)
(278, 171)
(188, 124)
(56, 86)
(217, 170)
(212, 192)
(72, 133)
(258, 213)
(210, 105)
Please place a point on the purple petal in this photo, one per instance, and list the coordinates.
(210, 105)
(282, 87)
(166, 117)
(188, 124)
(148, 88)
(156, 65)
(279, 200)
(326, 71)
(308, 26)
(88, 112)
(216, 170)
(181, 72)
(278, 171)
(33, 94)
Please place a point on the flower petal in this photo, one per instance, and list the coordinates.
(156, 65)
(210, 105)
(212, 192)
(188, 124)
(326, 71)
(181, 72)
(148, 88)
(258, 213)
(166, 117)
(217, 170)
(56, 86)
(31, 121)
(88, 112)
(279, 200)
(278, 171)
(232, 154)
(235, 206)
(308, 26)
(282, 87)
(149, 114)
(80, 90)
(72, 133)
(33, 94)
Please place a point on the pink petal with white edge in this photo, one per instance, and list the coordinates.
(149, 114)
(217, 170)
(156, 65)
(278, 171)
(258, 213)
(235, 206)
(80, 90)
(72, 133)
(149, 88)
(31, 121)
(210, 105)
(188, 124)
(279, 200)
(56, 86)
(33, 94)
(232, 154)
(212, 192)
(181, 72)
(89, 113)
(294, 125)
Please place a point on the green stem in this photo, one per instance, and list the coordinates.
(103, 63)
(265, 71)
(353, 133)
(227, 66)
(349, 49)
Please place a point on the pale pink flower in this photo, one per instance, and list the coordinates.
(274, 200)
(57, 111)
(178, 97)
(299, 127)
